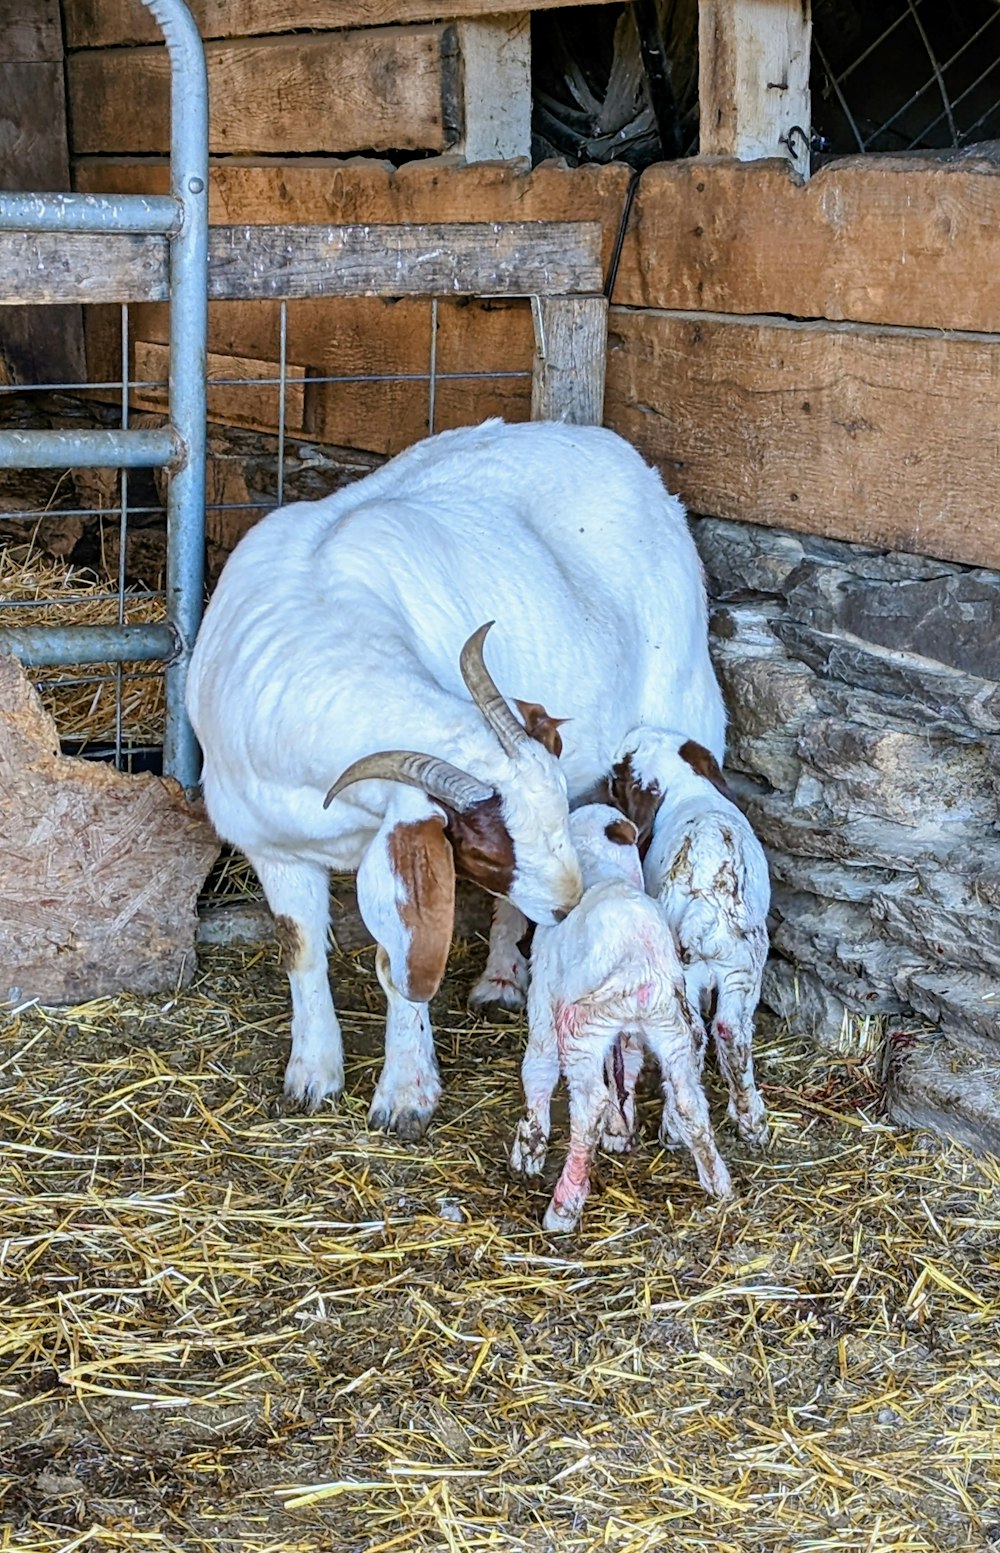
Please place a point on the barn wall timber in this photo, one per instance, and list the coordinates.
(365, 335)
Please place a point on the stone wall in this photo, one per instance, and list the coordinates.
(864, 694)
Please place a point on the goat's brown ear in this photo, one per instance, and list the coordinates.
(623, 832)
(705, 764)
(406, 893)
(541, 725)
(482, 846)
(638, 801)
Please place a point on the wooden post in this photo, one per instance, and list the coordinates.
(754, 79)
(571, 340)
(495, 57)
(35, 347)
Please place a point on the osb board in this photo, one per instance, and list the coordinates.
(341, 91)
(98, 23)
(99, 872)
(869, 239)
(367, 336)
(884, 437)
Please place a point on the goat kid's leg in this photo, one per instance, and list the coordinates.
(685, 1111)
(503, 986)
(583, 1058)
(732, 1030)
(299, 897)
(539, 1077)
(409, 1088)
(622, 1068)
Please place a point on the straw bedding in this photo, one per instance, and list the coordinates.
(226, 1328)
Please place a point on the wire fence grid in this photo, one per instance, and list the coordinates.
(116, 713)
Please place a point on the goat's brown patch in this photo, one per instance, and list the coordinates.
(705, 764)
(622, 831)
(421, 858)
(638, 801)
(484, 852)
(541, 725)
(289, 936)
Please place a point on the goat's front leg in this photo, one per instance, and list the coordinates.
(503, 986)
(732, 1030)
(298, 894)
(584, 1053)
(539, 1077)
(409, 1087)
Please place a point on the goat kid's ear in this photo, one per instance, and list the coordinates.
(623, 832)
(705, 764)
(406, 895)
(541, 726)
(638, 801)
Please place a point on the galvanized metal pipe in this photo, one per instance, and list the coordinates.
(188, 342)
(89, 449)
(90, 213)
(57, 646)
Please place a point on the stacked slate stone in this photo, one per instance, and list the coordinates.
(864, 698)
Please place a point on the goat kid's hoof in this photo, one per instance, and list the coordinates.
(492, 999)
(405, 1117)
(560, 1219)
(617, 1142)
(308, 1084)
(753, 1130)
(527, 1153)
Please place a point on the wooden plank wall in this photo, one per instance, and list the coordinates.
(365, 336)
(823, 356)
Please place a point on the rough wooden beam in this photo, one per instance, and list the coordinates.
(885, 437)
(99, 872)
(496, 87)
(392, 88)
(258, 262)
(233, 398)
(877, 239)
(570, 352)
(104, 23)
(753, 79)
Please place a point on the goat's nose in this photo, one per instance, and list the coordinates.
(560, 915)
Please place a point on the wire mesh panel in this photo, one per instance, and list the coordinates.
(906, 75)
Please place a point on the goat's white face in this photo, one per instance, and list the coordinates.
(546, 882)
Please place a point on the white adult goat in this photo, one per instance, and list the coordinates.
(335, 632)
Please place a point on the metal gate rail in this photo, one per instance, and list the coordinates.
(182, 216)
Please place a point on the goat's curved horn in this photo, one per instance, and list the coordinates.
(437, 778)
(483, 690)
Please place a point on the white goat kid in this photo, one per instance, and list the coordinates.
(335, 631)
(605, 980)
(707, 870)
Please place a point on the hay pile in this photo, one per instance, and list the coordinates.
(36, 589)
(228, 1329)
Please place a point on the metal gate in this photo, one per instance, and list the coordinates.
(41, 223)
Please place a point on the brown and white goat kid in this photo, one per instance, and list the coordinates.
(707, 871)
(607, 980)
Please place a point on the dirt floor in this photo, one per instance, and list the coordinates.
(226, 1328)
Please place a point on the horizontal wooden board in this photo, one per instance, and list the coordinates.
(98, 23)
(341, 91)
(893, 240)
(233, 397)
(512, 259)
(881, 436)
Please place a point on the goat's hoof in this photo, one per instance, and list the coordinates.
(494, 999)
(527, 1152)
(559, 1220)
(408, 1121)
(308, 1084)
